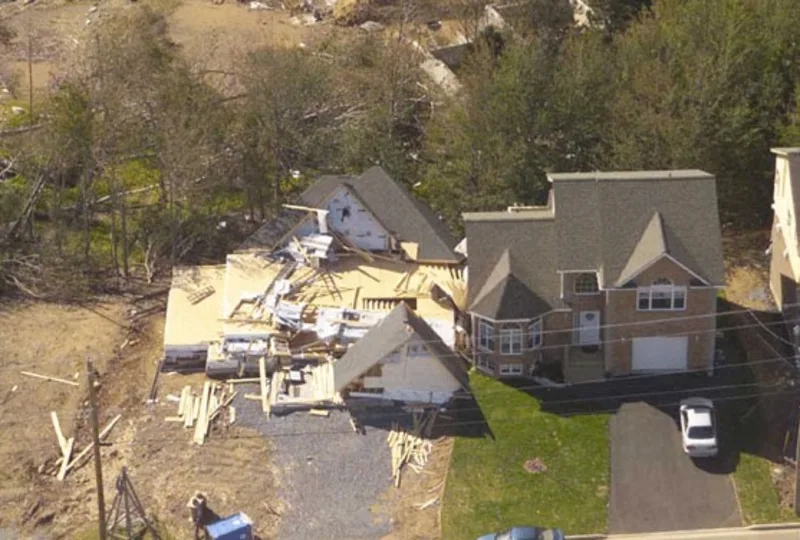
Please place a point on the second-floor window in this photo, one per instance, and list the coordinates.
(511, 341)
(662, 295)
(485, 336)
(585, 284)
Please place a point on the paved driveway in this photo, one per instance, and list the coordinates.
(655, 486)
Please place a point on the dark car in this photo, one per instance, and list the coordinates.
(526, 533)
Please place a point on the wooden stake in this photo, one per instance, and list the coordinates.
(67, 453)
(48, 378)
(262, 378)
(62, 441)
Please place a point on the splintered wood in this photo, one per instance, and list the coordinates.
(200, 411)
(412, 448)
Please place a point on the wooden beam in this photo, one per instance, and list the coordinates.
(243, 381)
(48, 378)
(66, 453)
(62, 441)
(232, 417)
(320, 412)
(103, 434)
(222, 405)
(202, 418)
(303, 208)
(262, 378)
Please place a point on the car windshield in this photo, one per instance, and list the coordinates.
(701, 432)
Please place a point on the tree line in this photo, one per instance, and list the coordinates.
(140, 159)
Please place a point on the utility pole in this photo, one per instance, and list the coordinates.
(30, 71)
(98, 466)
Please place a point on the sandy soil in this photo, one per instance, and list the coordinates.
(52, 340)
(232, 468)
(408, 521)
(214, 35)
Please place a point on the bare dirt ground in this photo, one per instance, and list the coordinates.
(233, 467)
(214, 35)
(408, 521)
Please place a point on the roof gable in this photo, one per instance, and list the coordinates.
(399, 327)
(404, 216)
(504, 295)
(650, 247)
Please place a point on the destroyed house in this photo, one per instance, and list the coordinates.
(310, 285)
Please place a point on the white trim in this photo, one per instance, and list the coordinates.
(671, 258)
(671, 289)
(506, 334)
(511, 321)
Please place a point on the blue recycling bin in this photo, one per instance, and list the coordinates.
(235, 527)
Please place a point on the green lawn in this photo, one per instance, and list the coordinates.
(488, 489)
(757, 494)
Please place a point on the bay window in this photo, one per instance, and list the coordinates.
(511, 341)
(535, 334)
(485, 336)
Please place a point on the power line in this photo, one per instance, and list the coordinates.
(735, 397)
(582, 400)
(567, 331)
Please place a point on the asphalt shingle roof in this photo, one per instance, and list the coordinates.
(614, 223)
(399, 211)
(394, 330)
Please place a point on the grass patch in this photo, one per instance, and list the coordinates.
(757, 494)
(488, 489)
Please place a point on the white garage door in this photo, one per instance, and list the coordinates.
(660, 354)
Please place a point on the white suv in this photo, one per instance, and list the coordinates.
(698, 427)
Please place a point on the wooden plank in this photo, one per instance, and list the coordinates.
(254, 397)
(262, 379)
(184, 399)
(48, 378)
(67, 452)
(202, 417)
(302, 208)
(62, 441)
(173, 419)
(320, 412)
(232, 417)
(188, 416)
(244, 381)
(103, 434)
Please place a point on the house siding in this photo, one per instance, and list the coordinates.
(781, 277)
(410, 376)
(359, 225)
(621, 309)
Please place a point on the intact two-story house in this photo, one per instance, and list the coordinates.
(618, 273)
(785, 248)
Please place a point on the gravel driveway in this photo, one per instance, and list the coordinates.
(655, 486)
(329, 477)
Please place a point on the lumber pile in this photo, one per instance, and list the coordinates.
(409, 448)
(200, 411)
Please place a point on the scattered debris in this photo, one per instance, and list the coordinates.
(49, 378)
(258, 6)
(535, 465)
(201, 411)
(410, 448)
(65, 464)
(372, 26)
(427, 504)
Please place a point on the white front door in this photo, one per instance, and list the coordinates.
(589, 327)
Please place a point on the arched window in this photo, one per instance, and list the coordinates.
(661, 295)
(586, 284)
